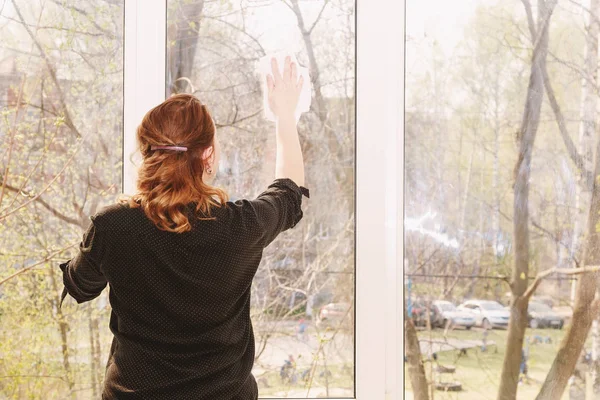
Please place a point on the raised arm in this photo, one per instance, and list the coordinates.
(284, 91)
(279, 207)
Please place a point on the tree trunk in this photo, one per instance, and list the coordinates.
(477, 267)
(465, 199)
(63, 327)
(312, 60)
(518, 308)
(181, 55)
(93, 366)
(583, 295)
(585, 306)
(416, 369)
(98, 351)
(586, 142)
(496, 173)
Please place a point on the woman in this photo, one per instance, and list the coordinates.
(180, 257)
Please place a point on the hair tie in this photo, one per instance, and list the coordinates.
(175, 148)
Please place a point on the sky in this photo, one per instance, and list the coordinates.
(439, 19)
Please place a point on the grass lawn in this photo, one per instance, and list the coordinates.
(479, 372)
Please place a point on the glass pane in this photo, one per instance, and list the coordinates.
(501, 147)
(61, 96)
(303, 293)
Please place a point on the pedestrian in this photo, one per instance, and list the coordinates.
(301, 333)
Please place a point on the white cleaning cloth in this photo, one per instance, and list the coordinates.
(264, 68)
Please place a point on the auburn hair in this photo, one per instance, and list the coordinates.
(168, 180)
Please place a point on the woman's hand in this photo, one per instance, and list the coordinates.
(284, 90)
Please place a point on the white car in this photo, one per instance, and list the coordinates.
(487, 313)
(448, 315)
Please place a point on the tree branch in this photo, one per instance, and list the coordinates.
(48, 207)
(51, 70)
(571, 148)
(530, 21)
(7, 213)
(105, 32)
(562, 127)
(318, 17)
(12, 141)
(47, 258)
(565, 271)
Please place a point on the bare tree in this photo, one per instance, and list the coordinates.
(416, 369)
(526, 138)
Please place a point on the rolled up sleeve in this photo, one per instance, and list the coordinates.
(82, 275)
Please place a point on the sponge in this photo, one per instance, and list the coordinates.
(264, 68)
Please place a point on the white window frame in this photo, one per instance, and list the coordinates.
(144, 73)
(379, 331)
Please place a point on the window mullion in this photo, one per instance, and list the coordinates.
(144, 73)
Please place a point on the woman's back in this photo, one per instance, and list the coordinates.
(181, 301)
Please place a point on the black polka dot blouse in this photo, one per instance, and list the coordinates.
(180, 301)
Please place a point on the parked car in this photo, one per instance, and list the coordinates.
(541, 316)
(447, 313)
(419, 313)
(487, 313)
(565, 312)
(333, 314)
(544, 299)
(547, 300)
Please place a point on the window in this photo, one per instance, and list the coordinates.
(61, 129)
(501, 157)
(213, 50)
(76, 78)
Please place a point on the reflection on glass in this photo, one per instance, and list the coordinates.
(61, 99)
(303, 294)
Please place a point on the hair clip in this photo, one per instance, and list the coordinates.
(176, 148)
